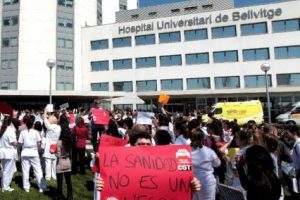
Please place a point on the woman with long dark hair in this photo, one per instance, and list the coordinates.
(258, 175)
(8, 153)
(63, 168)
(30, 140)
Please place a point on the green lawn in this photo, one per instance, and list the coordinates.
(82, 189)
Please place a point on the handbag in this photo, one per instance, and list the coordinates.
(64, 164)
(53, 148)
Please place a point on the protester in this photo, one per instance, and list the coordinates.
(260, 179)
(80, 135)
(52, 135)
(204, 160)
(30, 140)
(63, 154)
(8, 153)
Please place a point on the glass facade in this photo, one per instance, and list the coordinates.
(64, 43)
(145, 62)
(227, 82)
(223, 32)
(64, 22)
(122, 64)
(145, 86)
(10, 42)
(287, 52)
(125, 86)
(170, 37)
(288, 79)
(172, 84)
(196, 34)
(99, 44)
(198, 83)
(254, 29)
(225, 56)
(64, 86)
(121, 42)
(100, 66)
(197, 58)
(286, 25)
(100, 86)
(172, 60)
(256, 54)
(145, 39)
(257, 81)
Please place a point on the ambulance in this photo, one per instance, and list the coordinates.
(243, 112)
(291, 117)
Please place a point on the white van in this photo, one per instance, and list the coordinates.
(291, 117)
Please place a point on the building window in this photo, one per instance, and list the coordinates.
(10, 21)
(100, 86)
(8, 85)
(172, 60)
(288, 79)
(99, 44)
(9, 64)
(287, 52)
(144, 39)
(224, 32)
(197, 34)
(227, 82)
(97, 66)
(10, 2)
(122, 42)
(10, 42)
(64, 22)
(145, 86)
(257, 81)
(286, 25)
(254, 29)
(225, 56)
(256, 54)
(64, 86)
(197, 58)
(125, 86)
(145, 62)
(198, 83)
(64, 43)
(170, 37)
(172, 84)
(64, 65)
(122, 64)
(123, 7)
(65, 3)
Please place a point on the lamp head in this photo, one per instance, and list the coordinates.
(265, 67)
(51, 63)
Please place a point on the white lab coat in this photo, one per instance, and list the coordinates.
(30, 157)
(52, 136)
(8, 155)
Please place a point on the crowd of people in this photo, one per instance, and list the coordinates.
(262, 161)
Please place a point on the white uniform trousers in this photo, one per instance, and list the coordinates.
(26, 163)
(50, 168)
(9, 168)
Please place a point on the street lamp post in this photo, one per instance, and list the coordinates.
(265, 67)
(50, 63)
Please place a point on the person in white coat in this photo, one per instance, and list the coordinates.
(30, 140)
(8, 153)
(52, 135)
(204, 159)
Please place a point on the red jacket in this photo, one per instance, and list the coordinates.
(81, 133)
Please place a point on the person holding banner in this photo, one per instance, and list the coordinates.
(204, 161)
(8, 153)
